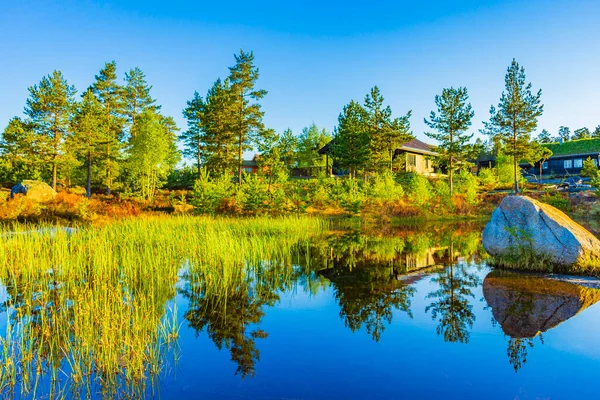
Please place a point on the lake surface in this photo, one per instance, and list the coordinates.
(410, 312)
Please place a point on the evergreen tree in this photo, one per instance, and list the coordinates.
(18, 153)
(564, 133)
(218, 124)
(516, 117)
(247, 122)
(310, 141)
(582, 133)
(288, 143)
(539, 154)
(91, 128)
(193, 145)
(111, 96)
(386, 134)
(452, 120)
(544, 137)
(350, 146)
(596, 133)
(137, 97)
(49, 107)
(152, 152)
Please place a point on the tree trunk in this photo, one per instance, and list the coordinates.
(198, 165)
(88, 190)
(108, 171)
(515, 165)
(240, 161)
(451, 173)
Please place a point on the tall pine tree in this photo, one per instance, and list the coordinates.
(350, 146)
(451, 122)
(137, 97)
(49, 107)
(387, 134)
(516, 117)
(247, 121)
(91, 127)
(111, 96)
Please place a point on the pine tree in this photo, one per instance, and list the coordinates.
(564, 133)
(309, 142)
(582, 133)
(247, 121)
(137, 97)
(91, 128)
(351, 139)
(288, 143)
(452, 120)
(544, 137)
(49, 107)
(111, 96)
(219, 123)
(596, 133)
(192, 139)
(387, 134)
(516, 117)
(18, 153)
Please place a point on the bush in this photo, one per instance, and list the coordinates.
(417, 188)
(442, 191)
(254, 197)
(488, 178)
(467, 184)
(590, 169)
(209, 194)
(383, 187)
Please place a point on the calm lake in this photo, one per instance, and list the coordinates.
(409, 312)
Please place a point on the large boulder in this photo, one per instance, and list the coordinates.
(34, 190)
(525, 305)
(522, 225)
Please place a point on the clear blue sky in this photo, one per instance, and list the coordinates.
(315, 56)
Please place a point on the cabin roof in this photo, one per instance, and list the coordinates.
(412, 146)
(579, 147)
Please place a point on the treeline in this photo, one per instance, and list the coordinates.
(113, 136)
(564, 134)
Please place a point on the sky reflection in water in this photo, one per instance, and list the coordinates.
(409, 313)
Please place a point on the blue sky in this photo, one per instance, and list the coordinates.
(315, 56)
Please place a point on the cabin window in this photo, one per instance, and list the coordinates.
(578, 163)
(595, 161)
(426, 163)
(411, 160)
(568, 164)
(545, 165)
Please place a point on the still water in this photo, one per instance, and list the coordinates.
(411, 312)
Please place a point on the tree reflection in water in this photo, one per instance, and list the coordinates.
(452, 306)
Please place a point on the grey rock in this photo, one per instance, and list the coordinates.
(35, 190)
(521, 221)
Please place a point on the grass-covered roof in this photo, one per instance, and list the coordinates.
(581, 146)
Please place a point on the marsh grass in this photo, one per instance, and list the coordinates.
(91, 312)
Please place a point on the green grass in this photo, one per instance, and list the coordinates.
(580, 146)
(98, 305)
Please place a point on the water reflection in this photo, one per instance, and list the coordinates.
(525, 306)
(368, 277)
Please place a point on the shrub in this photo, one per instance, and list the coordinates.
(417, 188)
(442, 191)
(254, 197)
(209, 193)
(590, 169)
(383, 187)
(488, 178)
(466, 184)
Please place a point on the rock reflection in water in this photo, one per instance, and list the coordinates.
(525, 306)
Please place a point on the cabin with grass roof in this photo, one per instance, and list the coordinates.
(568, 157)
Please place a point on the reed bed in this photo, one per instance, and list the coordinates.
(91, 312)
